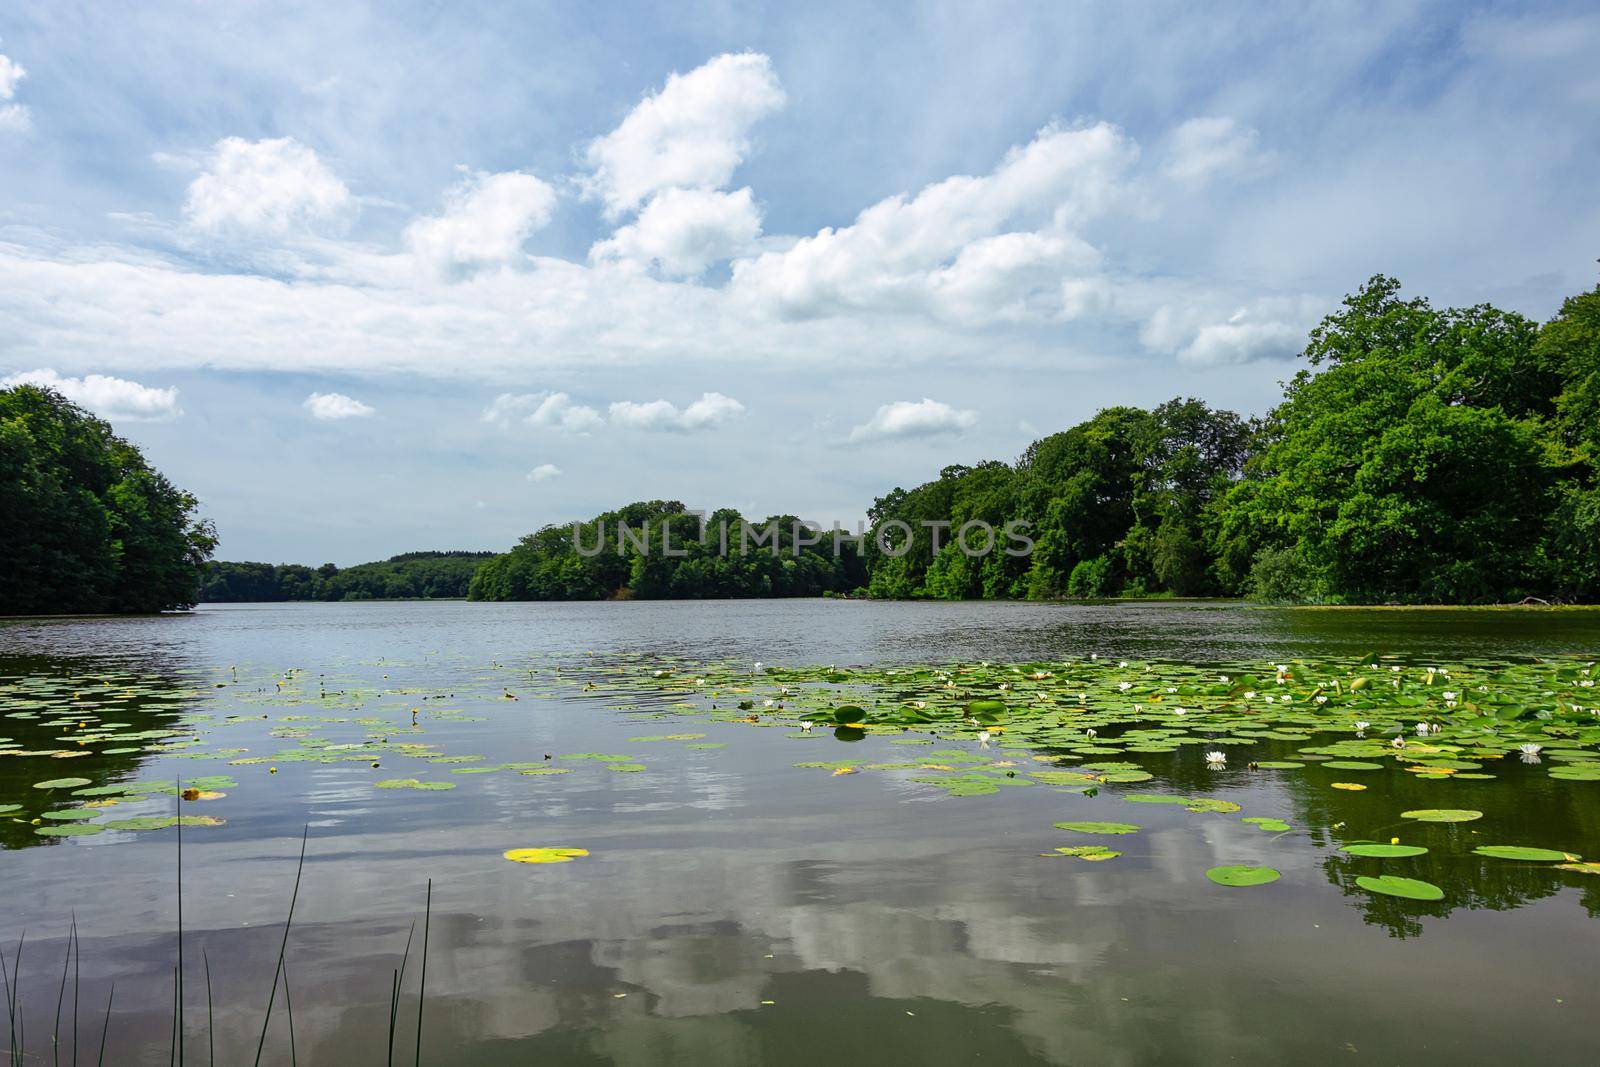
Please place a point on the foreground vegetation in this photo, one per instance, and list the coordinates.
(89, 526)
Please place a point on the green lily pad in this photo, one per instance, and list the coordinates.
(1442, 815)
(1532, 855)
(1092, 853)
(69, 829)
(71, 814)
(1238, 875)
(413, 783)
(1391, 885)
(1276, 826)
(1384, 851)
(61, 783)
(1099, 827)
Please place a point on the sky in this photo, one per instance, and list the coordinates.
(374, 278)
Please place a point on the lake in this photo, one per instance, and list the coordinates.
(733, 907)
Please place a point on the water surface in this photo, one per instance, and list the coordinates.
(735, 908)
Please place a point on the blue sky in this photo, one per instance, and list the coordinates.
(373, 278)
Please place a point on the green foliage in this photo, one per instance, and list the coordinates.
(1423, 460)
(411, 575)
(89, 526)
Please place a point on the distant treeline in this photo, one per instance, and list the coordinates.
(421, 575)
(678, 555)
(1418, 456)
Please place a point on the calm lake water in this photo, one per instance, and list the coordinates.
(735, 908)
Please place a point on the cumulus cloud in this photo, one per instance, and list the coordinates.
(548, 409)
(112, 398)
(330, 406)
(1203, 148)
(270, 186)
(486, 219)
(1197, 335)
(901, 251)
(544, 472)
(908, 419)
(13, 116)
(692, 134)
(681, 232)
(712, 409)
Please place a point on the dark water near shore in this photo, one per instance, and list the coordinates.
(735, 909)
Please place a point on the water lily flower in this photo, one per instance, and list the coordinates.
(1530, 749)
(1124, 686)
(983, 738)
(1361, 725)
(1180, 711)
(1398, 742)
(1222, 678)
(758, 665)
(1250, 694)
(1216, 759)
(1090, 734)
(1321, 699)
(1448, 695)
(805, 727)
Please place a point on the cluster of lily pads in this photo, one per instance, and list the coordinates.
(1082, 725)
(1088, 722)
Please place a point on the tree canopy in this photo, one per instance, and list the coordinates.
(89, 525)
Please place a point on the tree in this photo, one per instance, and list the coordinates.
(90, 526)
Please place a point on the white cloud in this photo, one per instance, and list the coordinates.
(1203, 148)
(692, 134)
(13, 117)
(268, 186)
(899, 252)
(907, 418)
(487, 217)
(1199, 336)
(712, 409)
(548, 409)
(111, 398)
(544, 472)
(681, 232)
(327, 406)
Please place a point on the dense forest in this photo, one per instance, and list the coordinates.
(411, 575)
(88, 526)
(1419, 455)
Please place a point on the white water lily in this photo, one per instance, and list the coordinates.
(1216, 759)
(1321, 699)
(1090, 734)
(805, 727)
(1448, 695)
(1124, 686)
(1123, 664)
(1398, 742)
(1180, 711)
(1250, 694)
(1361, 725)
(1530, 749)
(983, 738)
(758, 665)
(1422, 729)
(1223, 678)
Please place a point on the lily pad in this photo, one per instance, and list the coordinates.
(1391, 885)
(1532, 855)
(1092, 853)
(1442, 815)
(69, 829)
(1099, 827)
(1384, 852)
(545, 855)
(61, 783)
(1240, 875)
(413, 783)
